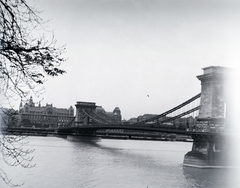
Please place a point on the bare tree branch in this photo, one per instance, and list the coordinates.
(12, 147)
(25, 63)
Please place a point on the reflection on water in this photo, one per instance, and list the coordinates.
(114, 163)
(211, 177)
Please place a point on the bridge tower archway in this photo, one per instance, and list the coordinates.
(82, 109)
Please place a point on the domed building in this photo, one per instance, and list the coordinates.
(100, 110)
(113, 117)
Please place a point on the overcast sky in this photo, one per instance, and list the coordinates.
(122, 51)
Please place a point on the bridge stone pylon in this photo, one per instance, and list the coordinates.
(82, 109)
(214, 99)
(210, 150)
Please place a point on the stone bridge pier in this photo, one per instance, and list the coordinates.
(83, 118)
(211, 150)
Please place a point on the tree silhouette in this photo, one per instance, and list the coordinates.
(12, 145)
(25, 62)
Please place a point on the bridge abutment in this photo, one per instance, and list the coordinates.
(207, 152)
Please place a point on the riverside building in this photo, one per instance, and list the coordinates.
(44, 116)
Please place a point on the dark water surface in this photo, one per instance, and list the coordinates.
(61, 163)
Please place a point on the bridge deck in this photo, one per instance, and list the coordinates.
(134, 128)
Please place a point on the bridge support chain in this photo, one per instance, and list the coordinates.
(210, 151)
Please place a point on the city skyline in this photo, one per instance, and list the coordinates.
(142, 56)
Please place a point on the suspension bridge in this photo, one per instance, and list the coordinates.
(203, 117)
(87, 121)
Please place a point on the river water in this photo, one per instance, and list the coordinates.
(61, 163)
